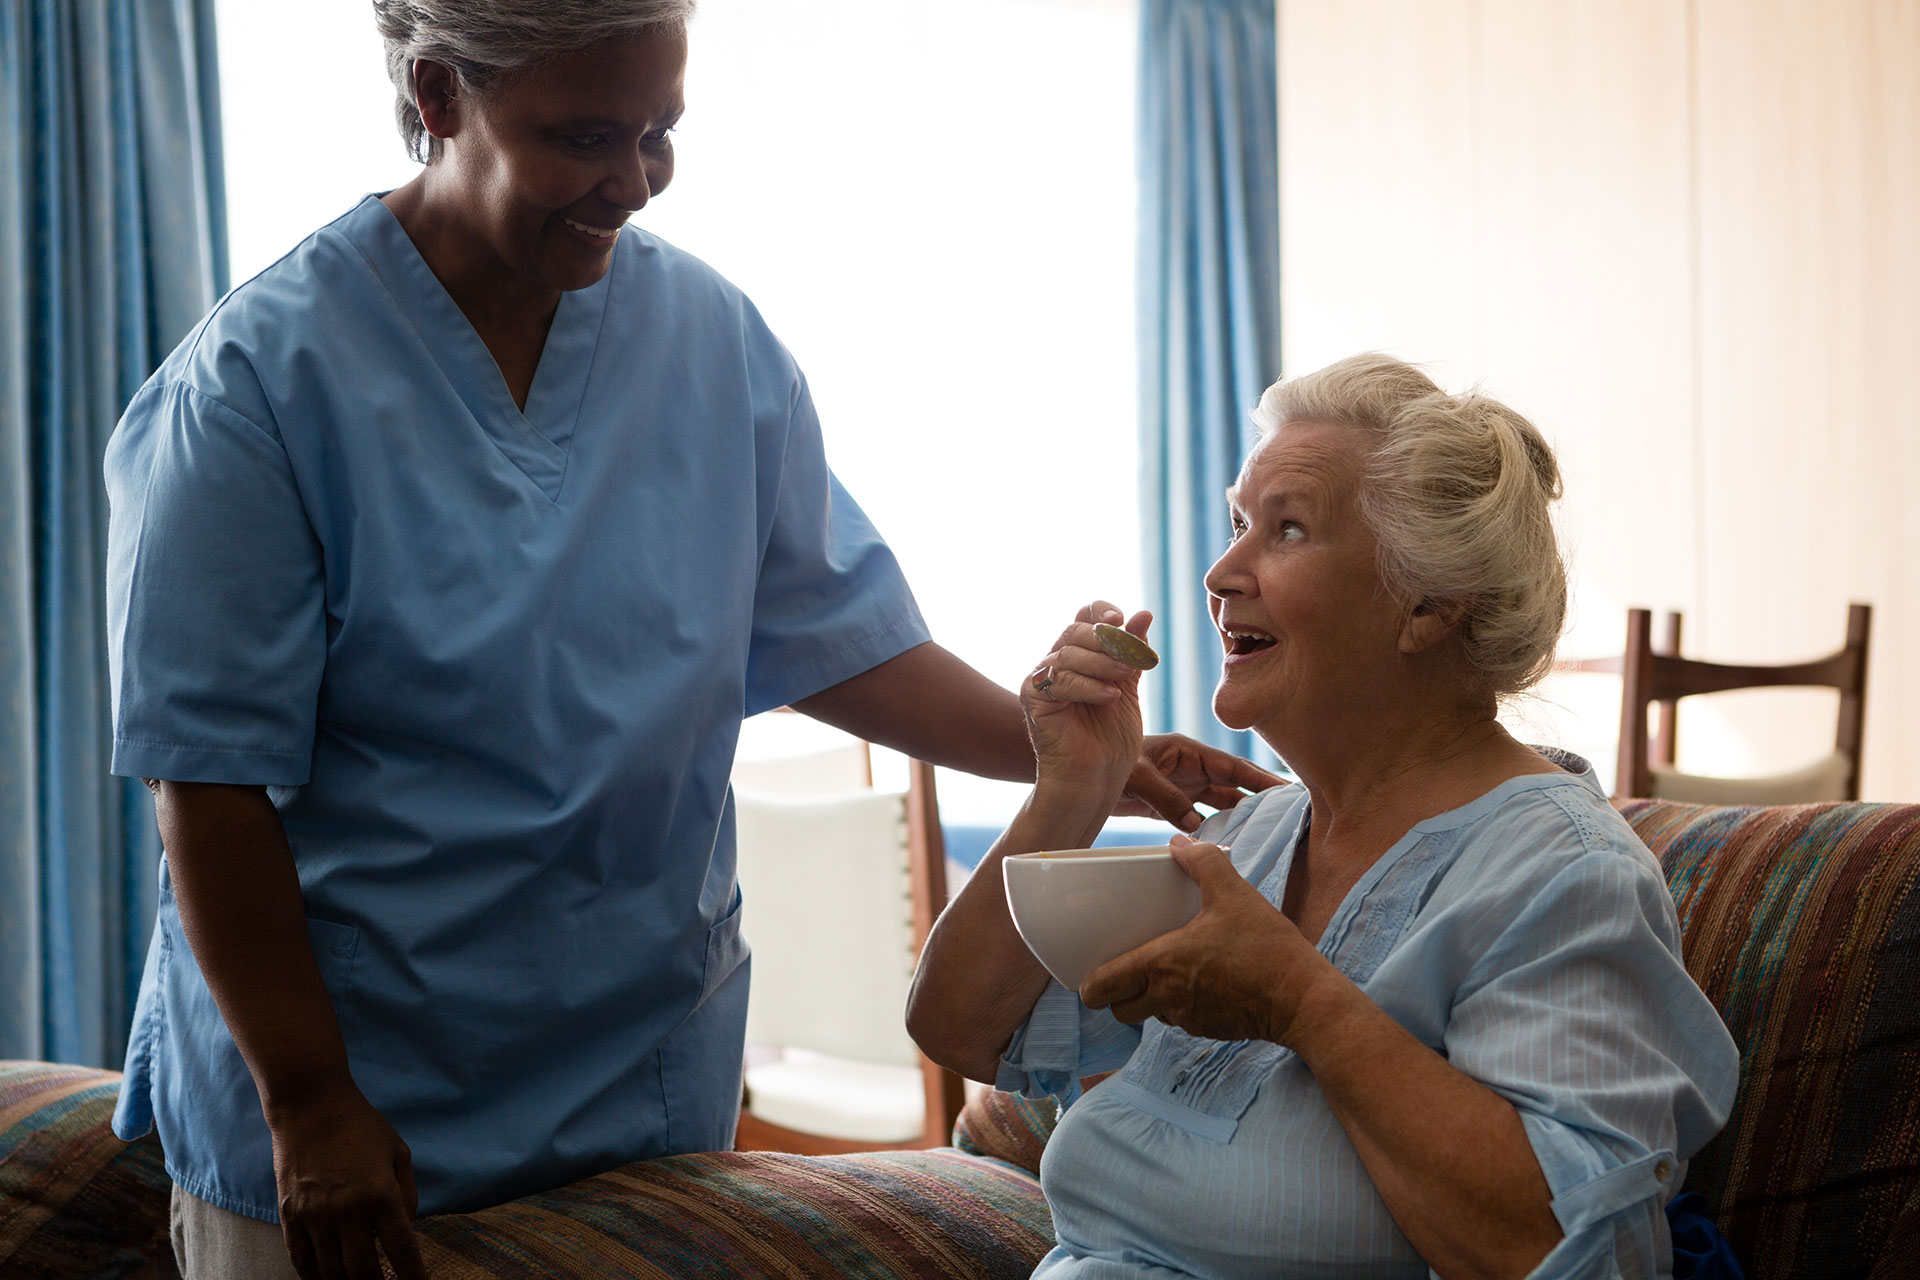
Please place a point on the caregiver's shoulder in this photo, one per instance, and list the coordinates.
(306, 311)
(698, 292)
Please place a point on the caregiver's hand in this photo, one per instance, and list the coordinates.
(1239, 970)
(345, 1180)
(1083, 709)
(1174, 773)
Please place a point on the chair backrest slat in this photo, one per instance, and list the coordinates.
(1662, 676)
(1686, 677)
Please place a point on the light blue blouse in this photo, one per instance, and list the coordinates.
(1528, 937)
(491, 665)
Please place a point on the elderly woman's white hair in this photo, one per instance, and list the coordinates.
(483, 40)
(1458, 493)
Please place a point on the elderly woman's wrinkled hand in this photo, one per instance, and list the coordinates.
(1239, 970)
(1083, 707)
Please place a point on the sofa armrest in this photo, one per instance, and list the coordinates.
(1006, 1126)
(75, 1200)
(738, 1215)
(1802, 925)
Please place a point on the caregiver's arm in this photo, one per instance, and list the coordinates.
(932, 706)
(1448, 1155)
(344, 1176)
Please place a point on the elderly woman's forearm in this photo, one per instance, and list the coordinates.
(977, 982)
(1449, 1156)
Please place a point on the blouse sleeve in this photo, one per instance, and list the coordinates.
(215, 597)
(1584, 1018)
(831, 601)
(1061, 1042)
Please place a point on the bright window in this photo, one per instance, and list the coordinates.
(932, 203)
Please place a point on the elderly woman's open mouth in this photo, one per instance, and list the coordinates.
(1244, 642)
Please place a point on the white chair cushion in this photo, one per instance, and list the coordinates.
(828, 913)
(1824, 779)
(858, 1101)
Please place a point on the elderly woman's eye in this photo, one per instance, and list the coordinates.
(1239, 527)
(1290, 531)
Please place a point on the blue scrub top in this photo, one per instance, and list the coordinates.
(491, 666)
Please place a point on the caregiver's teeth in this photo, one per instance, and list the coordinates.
(592, 231)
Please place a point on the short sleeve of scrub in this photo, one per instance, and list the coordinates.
(824, 568)
(208, 524)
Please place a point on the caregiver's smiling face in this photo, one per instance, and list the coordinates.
(549, 163)
(1304, 620)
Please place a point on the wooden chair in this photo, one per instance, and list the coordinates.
(1662, 676)
(842, 886)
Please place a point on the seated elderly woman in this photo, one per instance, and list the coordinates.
(1432, 1013)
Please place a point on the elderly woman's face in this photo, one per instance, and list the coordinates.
(548, 164)
(1297, 595)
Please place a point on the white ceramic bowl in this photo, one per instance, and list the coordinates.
(1076, 909)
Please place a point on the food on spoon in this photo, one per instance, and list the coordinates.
(1126, 646)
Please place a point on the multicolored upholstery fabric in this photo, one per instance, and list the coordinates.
(1802, 925)
(880, 1216)
(1006, 1126)
(75, 1200)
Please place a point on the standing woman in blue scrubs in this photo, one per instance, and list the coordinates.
(446, 557)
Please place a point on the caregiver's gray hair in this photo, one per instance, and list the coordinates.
(483, 40)
(1458, 493)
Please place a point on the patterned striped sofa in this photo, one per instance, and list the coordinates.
(1802, 923)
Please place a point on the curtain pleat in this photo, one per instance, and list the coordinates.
(112, 246)
(1209, 277)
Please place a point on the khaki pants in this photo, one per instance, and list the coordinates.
(210, 1243)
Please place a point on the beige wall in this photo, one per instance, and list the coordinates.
(1683, 238)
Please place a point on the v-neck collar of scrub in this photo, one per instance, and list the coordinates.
(1574, 771)
(538, 439)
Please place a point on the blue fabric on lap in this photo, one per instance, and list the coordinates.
(1700, 1252)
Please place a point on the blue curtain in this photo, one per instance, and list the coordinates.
(112, 246)
(1209, 314)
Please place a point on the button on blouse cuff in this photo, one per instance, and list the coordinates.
(1589, 1184)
